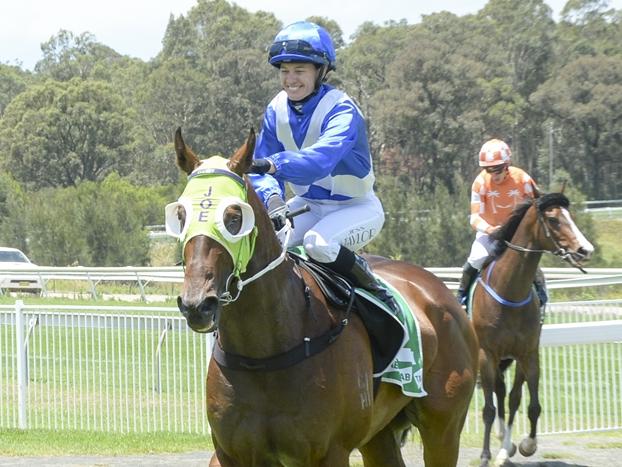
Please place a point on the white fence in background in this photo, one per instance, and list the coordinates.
(143, 276)
(611, 208)
(140, 369)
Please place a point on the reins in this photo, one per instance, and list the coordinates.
(559, 250)
(226, 297)
(307, 348)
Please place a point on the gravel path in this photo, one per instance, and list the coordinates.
(553, 451)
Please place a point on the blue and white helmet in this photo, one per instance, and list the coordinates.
(303, 41)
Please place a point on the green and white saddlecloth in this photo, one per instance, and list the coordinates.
(406, 370)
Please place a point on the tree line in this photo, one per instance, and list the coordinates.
(86, 158)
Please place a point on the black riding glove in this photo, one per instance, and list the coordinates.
(259, 166)
(277, 210)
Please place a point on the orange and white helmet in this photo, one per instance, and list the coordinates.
(494, 152)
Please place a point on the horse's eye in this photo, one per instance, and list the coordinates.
(554, 222)
(233, 219)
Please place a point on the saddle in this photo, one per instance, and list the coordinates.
(385, 332)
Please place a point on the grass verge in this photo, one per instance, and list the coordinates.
(63, 443)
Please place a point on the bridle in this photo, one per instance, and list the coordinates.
(226, 298)
(558, 251)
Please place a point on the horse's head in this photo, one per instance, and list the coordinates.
(550, 228)
(216, 226)
(560, 233)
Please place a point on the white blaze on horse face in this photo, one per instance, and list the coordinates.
(585, 244)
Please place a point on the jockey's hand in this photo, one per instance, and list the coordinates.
(261, 166)
(277, 210)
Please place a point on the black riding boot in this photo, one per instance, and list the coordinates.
(357, 270)
(540, 285)
(469, 273)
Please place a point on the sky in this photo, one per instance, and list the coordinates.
(136, 27)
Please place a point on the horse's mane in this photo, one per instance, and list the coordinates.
(507, 230)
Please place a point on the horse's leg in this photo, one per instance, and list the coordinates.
(384, 448)
(488, 370)
(337, 457)
(529, 445)
(508, 448)
(214, 462)
(500, 392)
(440, 423)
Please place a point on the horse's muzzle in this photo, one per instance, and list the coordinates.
(202, 316)
(577, 258)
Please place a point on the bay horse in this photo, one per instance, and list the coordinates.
(294, 382)
(507, 316)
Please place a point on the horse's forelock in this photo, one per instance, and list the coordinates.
(552, 199)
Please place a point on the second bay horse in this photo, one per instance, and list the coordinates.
(506, 312)
(294, 382)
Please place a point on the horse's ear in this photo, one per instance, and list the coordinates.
(536, 191)
(563, 186)
(241, 161)
(186, 159)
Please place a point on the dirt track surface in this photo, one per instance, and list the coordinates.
(553, 451)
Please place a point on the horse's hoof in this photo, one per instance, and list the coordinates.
(512, 450)
(501, 458)
(484, 463)
(528, 446)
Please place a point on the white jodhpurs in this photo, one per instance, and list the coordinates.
(483, 246)
(332, 224)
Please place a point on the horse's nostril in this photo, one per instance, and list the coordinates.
(584, 253)
(209, 304)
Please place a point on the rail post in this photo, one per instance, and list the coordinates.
(20, 351)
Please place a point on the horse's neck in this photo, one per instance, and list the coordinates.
(515, 271)
(271, 315)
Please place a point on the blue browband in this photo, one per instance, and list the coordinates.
(498, 297)
(214, 171)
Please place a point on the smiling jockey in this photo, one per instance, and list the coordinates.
(496, 191)
(314, 137)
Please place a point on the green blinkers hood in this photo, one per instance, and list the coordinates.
(211, 188)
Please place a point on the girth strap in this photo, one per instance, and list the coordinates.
(309, 347)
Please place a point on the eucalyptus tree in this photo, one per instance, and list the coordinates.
(62, 133)
(517, 40)
(212, 76)
(588, 27)
(584, 99)
(13, 81)
(427, 111)
(67, 55)
(12, 209)
(93, 224)
(362, 68)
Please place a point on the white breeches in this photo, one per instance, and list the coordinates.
(331, 224)
(482, 247)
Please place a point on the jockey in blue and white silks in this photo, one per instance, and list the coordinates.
(314, 138)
